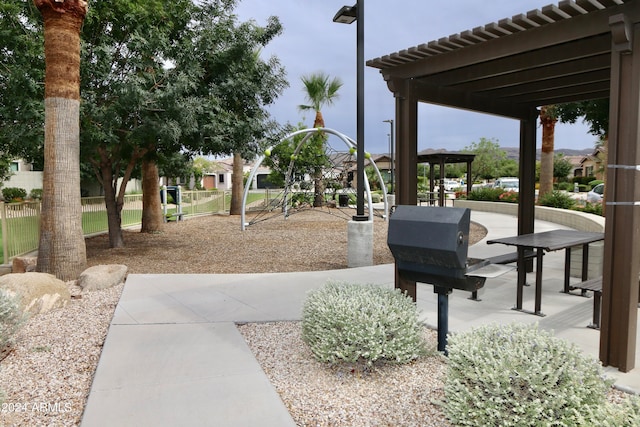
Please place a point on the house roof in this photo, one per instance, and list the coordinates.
(560, 53)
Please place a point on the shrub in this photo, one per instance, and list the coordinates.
(509, 197)
(301, 198)
(565, 186)
(11, 194)
(11, 319)
(595, 182)
(461, 194)
(376, 198)
(517, 375)
(557, 199)
(36, 194)
(485, 194)
(343, 322)
(592, 208)
(626, 413)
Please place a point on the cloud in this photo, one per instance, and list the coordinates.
(311, 42)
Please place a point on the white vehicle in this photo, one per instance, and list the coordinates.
(508, 184)
(450, 185)
(595, 195)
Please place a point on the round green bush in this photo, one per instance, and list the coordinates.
(486, 194)
(11, 319)
(557, 199)
(11, 194)
(344, 322)
(36, 194)
(518, 375)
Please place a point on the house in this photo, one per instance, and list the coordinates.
(23, 176)
(593, 164)
(219, 177)
(576, 165)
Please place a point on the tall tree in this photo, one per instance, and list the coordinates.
(320, 90)
(130, 106)
(548, 122)
(596, 114)
(62, 250)
(490, 159)
(236, 84)
(157, 78)
(21, 77)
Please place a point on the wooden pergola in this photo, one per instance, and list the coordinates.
(573, 51)
(441, 158)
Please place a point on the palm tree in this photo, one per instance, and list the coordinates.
(62, 251)
(320, 90)
(548, 121)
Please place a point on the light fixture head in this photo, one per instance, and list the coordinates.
(346, 15)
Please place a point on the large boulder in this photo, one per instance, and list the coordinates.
(102, 277)
(36, 292)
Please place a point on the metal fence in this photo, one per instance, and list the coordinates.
(21, 221)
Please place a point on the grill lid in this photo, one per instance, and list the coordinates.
(429, 235)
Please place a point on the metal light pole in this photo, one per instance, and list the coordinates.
(347, 15)
(391, 146)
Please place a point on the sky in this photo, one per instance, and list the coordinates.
(311, 42)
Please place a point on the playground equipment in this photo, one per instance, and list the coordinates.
(283, 202)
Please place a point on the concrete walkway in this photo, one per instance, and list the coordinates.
(174, 357)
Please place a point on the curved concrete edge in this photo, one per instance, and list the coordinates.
(573, 219)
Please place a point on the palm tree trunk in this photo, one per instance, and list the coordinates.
(237, 179)
(62, 250)
(318, 184)
(548, 123)
(152, 220)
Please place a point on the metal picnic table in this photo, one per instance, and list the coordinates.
(548, 241)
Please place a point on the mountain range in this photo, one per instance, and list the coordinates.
(514, 152)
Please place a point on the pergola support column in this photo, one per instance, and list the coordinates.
(527, 190)
(527, 166)
(406, 157)
(622, 230)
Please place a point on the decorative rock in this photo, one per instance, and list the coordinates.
(23, 264)
(102, 277)
(36, 292)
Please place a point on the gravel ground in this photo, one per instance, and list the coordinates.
(317, 394)
(47, 377)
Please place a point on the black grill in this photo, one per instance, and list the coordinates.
(430, 245)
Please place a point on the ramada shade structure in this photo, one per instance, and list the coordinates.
(572, 51)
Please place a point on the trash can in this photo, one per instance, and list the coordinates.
(343, 200)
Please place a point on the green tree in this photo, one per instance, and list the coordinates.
(21, 77)
(161, 79)
(509, 167)
(320, 90)
(562, 167)
(308, 159)
(62, 250)
(156, 78)
(131, 100)
(489, 161)
(594, 112)
(236, 83)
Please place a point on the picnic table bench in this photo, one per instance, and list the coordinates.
(502, 259)
(594, 285)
